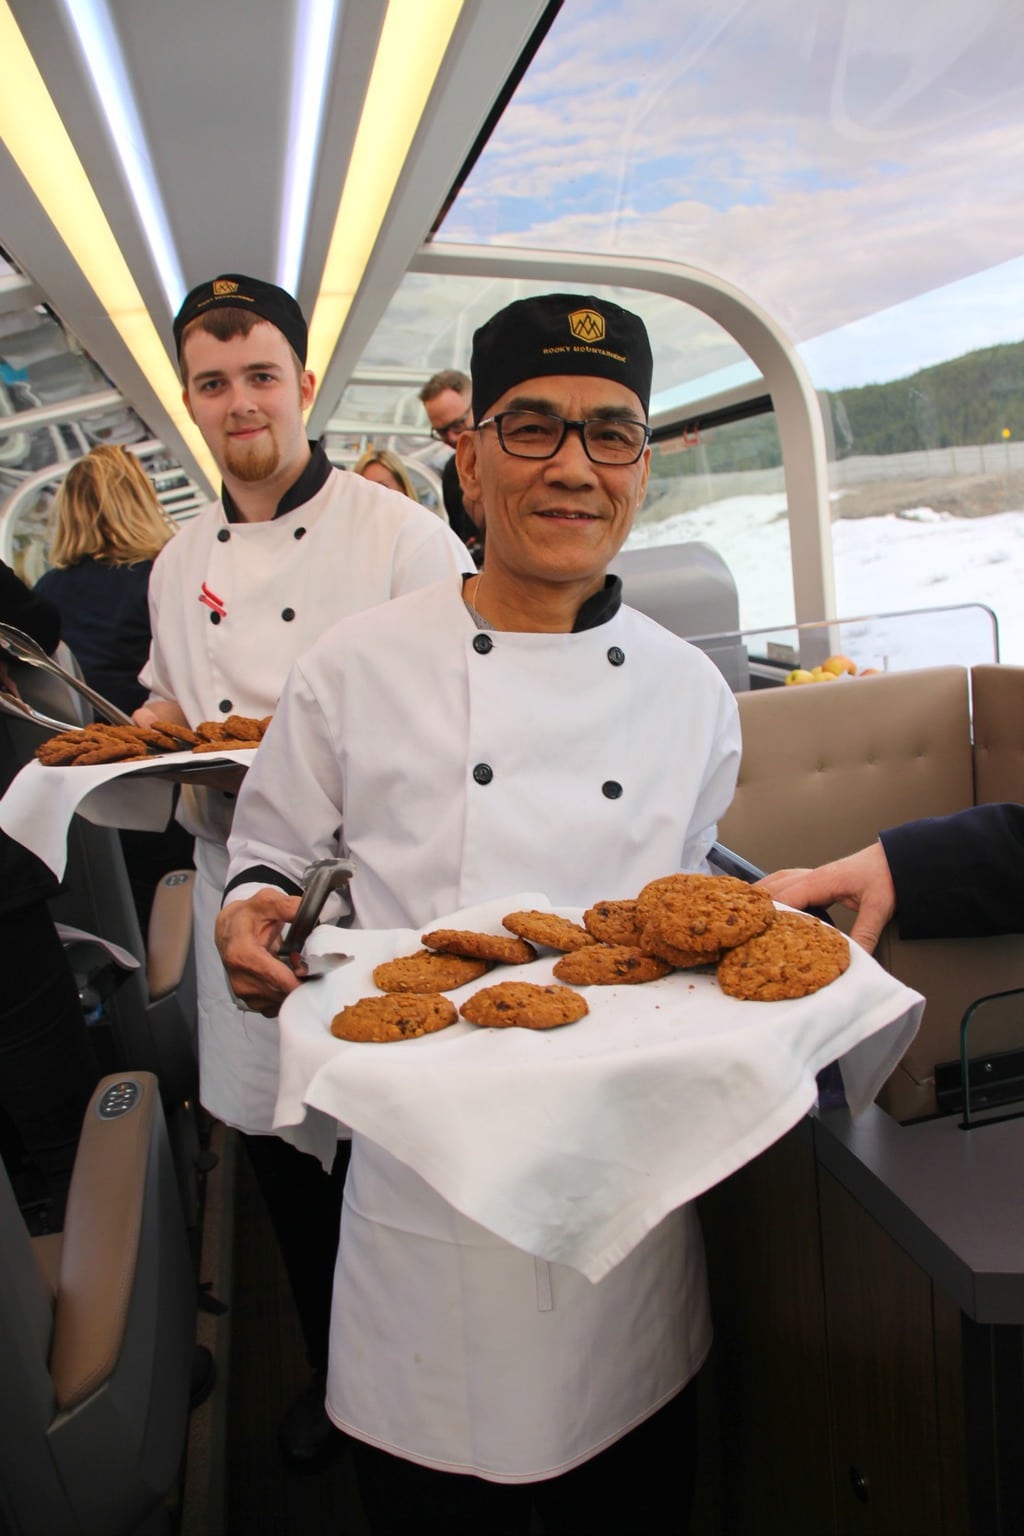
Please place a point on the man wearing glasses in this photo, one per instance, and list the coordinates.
(520, 730)
(447, 400)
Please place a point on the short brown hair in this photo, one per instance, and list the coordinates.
(448, 378)
(106, 509)
(225, 324)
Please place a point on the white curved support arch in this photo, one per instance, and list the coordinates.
(797, 411)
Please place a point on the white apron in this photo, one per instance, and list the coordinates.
(456, 1350)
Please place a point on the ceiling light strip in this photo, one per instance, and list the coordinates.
(413, 42)
(101, 50)
(314, 49)
(38, 142)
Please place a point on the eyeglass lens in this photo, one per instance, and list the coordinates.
(535, 435)
(453, 426)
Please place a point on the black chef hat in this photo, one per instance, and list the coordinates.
(264, 299)
(559, 333)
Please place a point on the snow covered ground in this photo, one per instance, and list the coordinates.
(914, 560)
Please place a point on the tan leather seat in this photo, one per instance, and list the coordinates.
(826, 767)
(96, 1331)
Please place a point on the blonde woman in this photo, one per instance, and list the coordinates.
(387, 469)
(108, 528)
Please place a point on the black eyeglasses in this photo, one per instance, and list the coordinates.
(458, 425)
(537, 435)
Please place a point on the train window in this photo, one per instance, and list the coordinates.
(723, 485)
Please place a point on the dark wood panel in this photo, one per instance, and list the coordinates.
(766, 1454)
(948, 1323)
(883, 1376)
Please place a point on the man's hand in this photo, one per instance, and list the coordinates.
(861, 882)
(155, 710)
(247, 933)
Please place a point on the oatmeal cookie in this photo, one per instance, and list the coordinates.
(523, 1005)
(613, 922)
(426, 972)
(181, 737)
(480, 946)
(652, 943)
(99, 742)
(609, 965)
(796, 956)
(549, 929)
(378, 1020)
(58, 750)
(225, 744)
(704, 912)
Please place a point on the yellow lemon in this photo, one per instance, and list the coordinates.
(839, 664)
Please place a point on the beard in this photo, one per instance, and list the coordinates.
(253, 461)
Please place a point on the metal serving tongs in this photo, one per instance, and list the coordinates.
(23, 648)
(13, 704)
(318, 881)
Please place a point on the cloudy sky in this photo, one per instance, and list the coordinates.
(854, 165)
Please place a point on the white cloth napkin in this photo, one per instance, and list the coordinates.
(40, 802)
(573, 1143)
(120, 956)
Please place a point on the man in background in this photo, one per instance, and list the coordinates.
(447, 400)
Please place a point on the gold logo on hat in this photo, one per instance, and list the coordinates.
(223, 286)
(587, 325)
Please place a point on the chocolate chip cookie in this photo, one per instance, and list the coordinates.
(523, 1005)
(480, 946)
(549, 929)
(609, 965)
(427, 972)
(704, 912)
(380, 1020)
(794, 957)
(652, 943)
(613, 922)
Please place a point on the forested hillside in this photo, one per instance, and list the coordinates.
(976, 398)
(973, 399)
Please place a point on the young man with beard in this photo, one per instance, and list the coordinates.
(291, 546)
(554, 740)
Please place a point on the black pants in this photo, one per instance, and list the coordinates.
(304, 1205)
(47, 1067)
(642, 1485)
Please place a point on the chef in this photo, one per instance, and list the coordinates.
(291, 546)
(552, 740)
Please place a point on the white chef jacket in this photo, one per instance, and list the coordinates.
(232, 604)
(463, 764)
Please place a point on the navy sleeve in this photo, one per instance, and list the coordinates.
(28, 611)
(959, 876)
